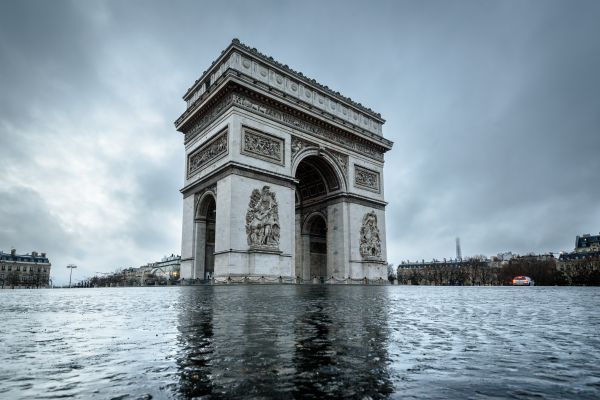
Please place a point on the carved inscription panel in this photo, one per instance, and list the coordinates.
(209, 152)
(263, 146)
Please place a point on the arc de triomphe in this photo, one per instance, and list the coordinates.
(284, 177)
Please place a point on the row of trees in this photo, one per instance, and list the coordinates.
(125, 279)
(544, 270)
(583, 271)
(473, 271)
(36, 279)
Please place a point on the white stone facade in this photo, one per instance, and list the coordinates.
(284, 178)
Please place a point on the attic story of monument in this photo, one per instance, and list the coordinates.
(284, 177)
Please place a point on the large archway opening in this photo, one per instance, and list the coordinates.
(317, 181)
(205, 224)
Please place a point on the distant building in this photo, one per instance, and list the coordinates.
(24, 270)
(164, 271)
(506, 256)
(582, 265)
(587, 243)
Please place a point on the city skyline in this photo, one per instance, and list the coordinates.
(493, 110)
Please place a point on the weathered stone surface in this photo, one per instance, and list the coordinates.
(297, 193)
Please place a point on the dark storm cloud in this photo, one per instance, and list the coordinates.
(26, 221)
(505, 165)
(493, 108)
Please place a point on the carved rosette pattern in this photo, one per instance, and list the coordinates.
(262, 220)
(212, 150)
(366, 179)
(262, 146)
(370, 242)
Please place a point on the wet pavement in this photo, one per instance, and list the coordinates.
(305, 341)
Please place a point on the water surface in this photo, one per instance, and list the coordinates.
(263, 341)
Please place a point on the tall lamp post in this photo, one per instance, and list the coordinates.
(71, 266)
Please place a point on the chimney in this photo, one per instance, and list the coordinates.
(34, 254)
(43, 255)
(13, 252)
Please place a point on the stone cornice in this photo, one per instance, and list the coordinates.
(261, 68)
(233, 167)
(344, 197)
(231, 92)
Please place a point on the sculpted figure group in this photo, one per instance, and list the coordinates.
(370, 242)
(262, 219)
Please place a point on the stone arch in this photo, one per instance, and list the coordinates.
(319, 180)
(309, 220)
(203, 203)
(326, 160)
(204, 234)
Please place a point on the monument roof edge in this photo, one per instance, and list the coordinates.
(236, 43)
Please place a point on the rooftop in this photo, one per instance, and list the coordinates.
(299, 75)
(32, 258)
(245, 64)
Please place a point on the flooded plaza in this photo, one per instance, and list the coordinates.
(309, 341)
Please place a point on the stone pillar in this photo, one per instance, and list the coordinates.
(305, 240)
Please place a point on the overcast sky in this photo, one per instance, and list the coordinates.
(494, 108)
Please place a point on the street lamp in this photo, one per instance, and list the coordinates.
(71, 266)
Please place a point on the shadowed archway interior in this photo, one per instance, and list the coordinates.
(317, 232)
(317, 181)
(205, 237)
(316, 178)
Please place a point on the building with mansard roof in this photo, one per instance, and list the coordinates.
(24, 270)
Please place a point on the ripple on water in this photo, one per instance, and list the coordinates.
(287, 341)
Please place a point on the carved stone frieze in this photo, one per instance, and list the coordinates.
(298, 145)
(208, 117)
(341, 159)
(263, 146)
(295, 122)
(209, 152)
(262, 220)
(366, 179)
(370, 242)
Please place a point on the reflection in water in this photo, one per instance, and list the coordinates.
(340, 354)
(233, 344)
(314, 359)
(195, 339)
(262, 341)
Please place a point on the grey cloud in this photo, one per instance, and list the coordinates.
(493, 108)
(27, 224)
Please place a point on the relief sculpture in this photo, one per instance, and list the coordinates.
(370, 242)
(262, 146)
(207, 153)
(262, 220)
(366, 179)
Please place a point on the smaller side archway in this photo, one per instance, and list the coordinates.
(204, 233)
(314, 247)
